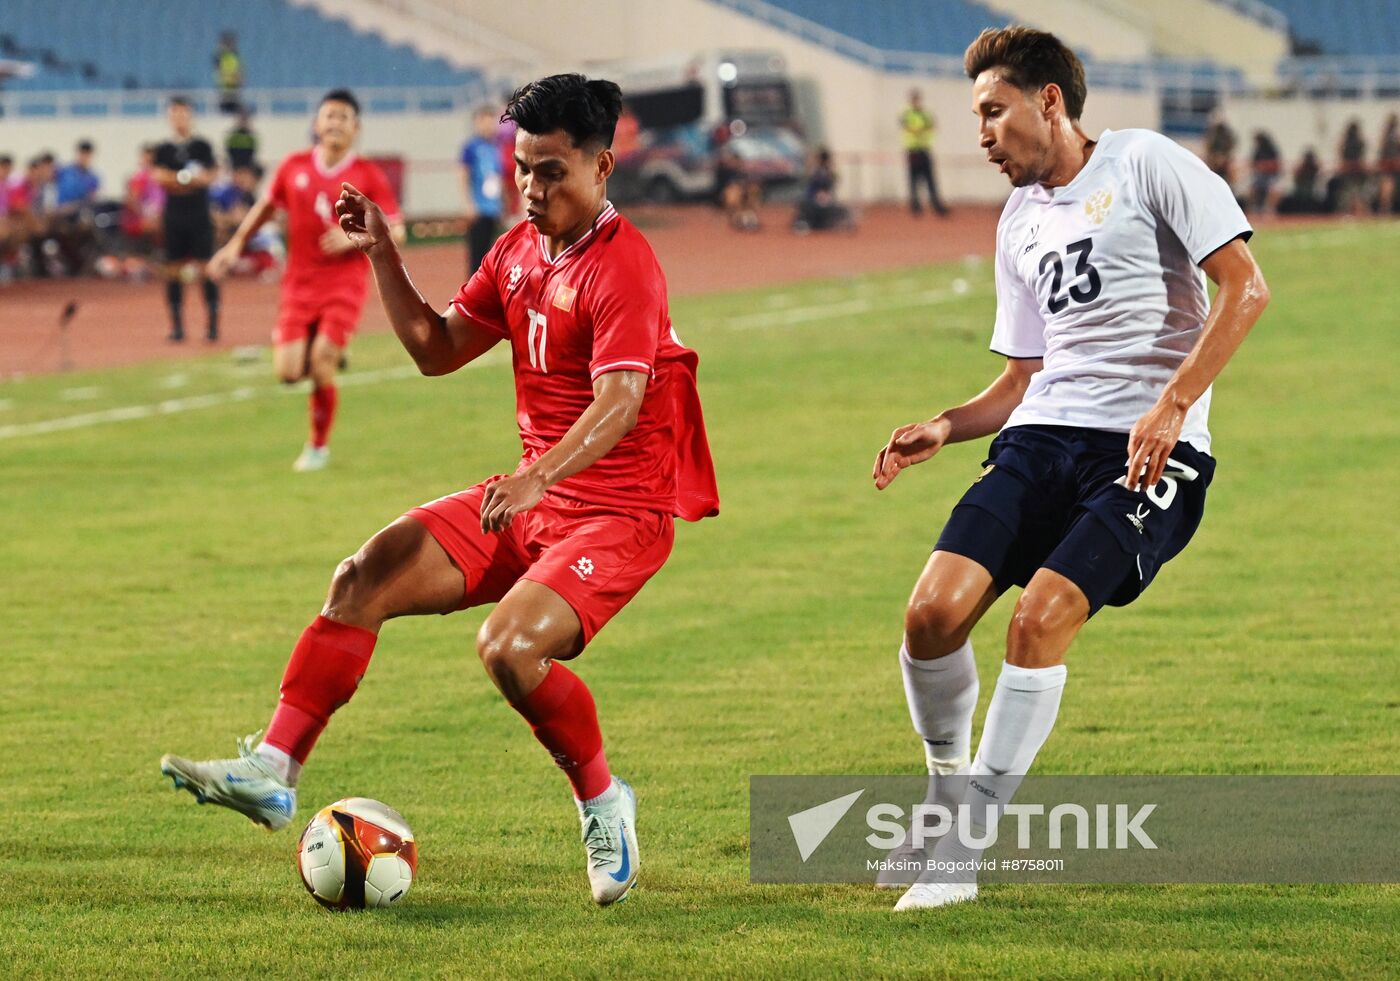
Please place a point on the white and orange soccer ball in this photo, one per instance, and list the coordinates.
(357, 854)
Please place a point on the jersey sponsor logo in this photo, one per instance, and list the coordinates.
(1033, 240)
(583, 568)
(564, 297)
(516, 272)
(1096, 207)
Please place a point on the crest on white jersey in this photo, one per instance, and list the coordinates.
(1096, 207)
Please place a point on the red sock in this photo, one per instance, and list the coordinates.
(565, 720)
(323, 402)
(326, 666)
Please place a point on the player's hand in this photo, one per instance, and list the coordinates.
(507, 497)
(335, 241)
(1151, 441)
(361, 220)
(223, 261)
(909, 445)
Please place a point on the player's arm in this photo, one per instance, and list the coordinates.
(438, 343)
(617, 399)
(980, 416)
(1239, 301)
(258, 215)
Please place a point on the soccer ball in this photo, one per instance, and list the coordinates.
(357, 854)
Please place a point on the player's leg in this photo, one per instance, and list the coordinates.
(593, 561)
(323, 359)
(289, 360)
(202, 248)
(402, 570)
(176, 246)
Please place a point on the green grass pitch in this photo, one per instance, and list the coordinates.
(157, 571)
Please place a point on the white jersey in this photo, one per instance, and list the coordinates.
(1100, 278)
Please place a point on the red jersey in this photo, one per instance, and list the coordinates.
(307, 192)
(599, 306)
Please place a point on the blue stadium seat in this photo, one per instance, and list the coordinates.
(1358, 27)
(135, 45)
(925, 26)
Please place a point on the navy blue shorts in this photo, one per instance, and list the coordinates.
(1050, 497)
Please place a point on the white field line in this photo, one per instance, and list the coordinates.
(187, 404)
(879, 302)
(86, 394)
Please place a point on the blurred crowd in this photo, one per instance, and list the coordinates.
(60, 218)
(1359, 177)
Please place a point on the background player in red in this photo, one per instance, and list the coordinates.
(614, 448)
(327, 278)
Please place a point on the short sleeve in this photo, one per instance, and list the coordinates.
(1019, 330)
(628, 307)
(1192, 201)
(277, 189)
(382, 193)
(479, 299)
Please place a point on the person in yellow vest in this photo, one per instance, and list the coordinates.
(917, 126)
(228, 73)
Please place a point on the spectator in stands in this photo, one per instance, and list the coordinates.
(1305, 199)
(1352, 179)
(918, 126)
(241, 143)
(10, 236)
(76, 182)
(231, 200)
(738, 192)
(819, 209)
(143, 205)
(228, 73)
(481, 186)
(1265, 167)
(1388, 165)
(37, 198)
(1220, 144)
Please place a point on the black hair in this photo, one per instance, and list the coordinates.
(85, 146)
(585, 109)
(180, 100)
(1030, 60)
(6, 160)
(341, 95)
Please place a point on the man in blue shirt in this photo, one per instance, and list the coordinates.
(481, 186)
(77, 184)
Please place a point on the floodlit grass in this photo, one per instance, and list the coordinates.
(157, 571)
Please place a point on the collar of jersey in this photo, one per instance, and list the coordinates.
(608, 214)
(331, 171)
(1055, 195)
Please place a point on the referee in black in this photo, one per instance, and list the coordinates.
(185, 167)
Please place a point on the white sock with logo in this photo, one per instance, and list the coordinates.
(942, 695)
(1019, 720)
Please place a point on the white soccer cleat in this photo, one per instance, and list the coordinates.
(610, 839)
(246, 785)
(927, 895)
(312, 458)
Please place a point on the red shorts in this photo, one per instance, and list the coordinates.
(597, 558)
(333, 315)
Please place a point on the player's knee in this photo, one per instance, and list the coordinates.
(934, 626)
(353, 593)
(289, 376)
(1041, 628)
(506, 650)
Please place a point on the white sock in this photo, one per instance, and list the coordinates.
(606, 797)
(281, 763)
(1019, 720)
(942, 695)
